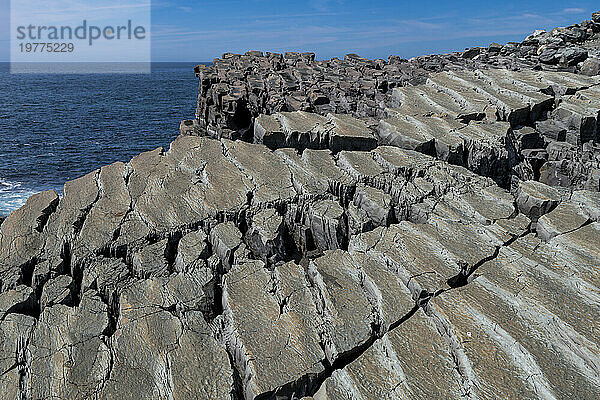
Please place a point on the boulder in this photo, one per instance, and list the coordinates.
(591, 67)
(573, 56)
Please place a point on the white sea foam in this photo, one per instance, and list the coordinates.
(13, 195)
(7, 186)
(9, 202)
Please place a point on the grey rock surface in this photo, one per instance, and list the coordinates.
(221, 310)
(353, 239)
(591, 67)
(498, 123)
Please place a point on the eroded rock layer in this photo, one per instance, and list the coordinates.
(429, 249)
(531, 125)
(223, 269)
(237, 88)
(554, 118)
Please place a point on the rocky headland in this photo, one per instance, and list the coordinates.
(340, 229)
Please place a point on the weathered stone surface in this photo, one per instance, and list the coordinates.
(21, 238)
(348, 318)
(152, 261)
(536, 199)
(15, 329)
(266, 235)
(302, 130)
(376, 204)
(395, 297)
(191, 127)
(591, 67)
(396, 230)
(326, 221)
(106, 275)
(349, 133)
(589, 202)
(103, 220)
(194, 173)
(273, 328)
(508, 102)
(431, 117)
(269, 131)
(225, 238)
(192, 252)
(426, 100)
(161, 366)
(376, 374)
(565, 218)
(270, 178)
(314, 173)
(418, 346)
(68, 355)
(440, 119)
(421, 135)
(509, 320)
(471, 331)
(57, 291)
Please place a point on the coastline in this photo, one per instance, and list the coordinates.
(94, 120)
(329, 227)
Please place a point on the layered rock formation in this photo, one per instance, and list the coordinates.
(238, 88)
(408, 242)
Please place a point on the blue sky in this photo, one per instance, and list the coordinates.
(195, 31)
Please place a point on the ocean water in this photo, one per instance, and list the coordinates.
(54, 128)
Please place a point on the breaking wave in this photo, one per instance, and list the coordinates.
(12, 196)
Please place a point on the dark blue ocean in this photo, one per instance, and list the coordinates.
(54, 128)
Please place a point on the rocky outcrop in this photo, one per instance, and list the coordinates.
(426, 241)
(278, 275)
(237, 88)
(302, 130)
(497, 123)
(267, 98)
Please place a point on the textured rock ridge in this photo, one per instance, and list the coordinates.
(437, 240)
(497, 123)
(553, 117)
(237, 88)
(330, 274)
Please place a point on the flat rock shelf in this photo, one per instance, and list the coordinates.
(342, 229)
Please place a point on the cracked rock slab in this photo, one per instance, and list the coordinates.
(266, 235)
(536, 199)
(273, 329)
(348, 317)
(338, 267)
(153, 348)
(566, 217)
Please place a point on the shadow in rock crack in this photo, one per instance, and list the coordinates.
(42, 220)
(29, 307)
(463, 278)
(309, 384)
(237, 389)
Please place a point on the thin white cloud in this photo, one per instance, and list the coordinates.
(573, 11)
